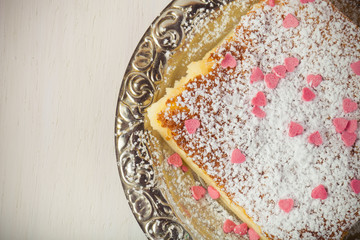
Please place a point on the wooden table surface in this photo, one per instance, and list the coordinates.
(61, 66)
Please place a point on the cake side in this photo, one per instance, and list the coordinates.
(195, 69)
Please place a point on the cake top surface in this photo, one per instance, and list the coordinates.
(278, 166)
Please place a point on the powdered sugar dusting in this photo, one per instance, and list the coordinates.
(277, 166)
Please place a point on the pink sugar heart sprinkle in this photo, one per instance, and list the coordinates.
(184, 168)
(290, 21)
(306, 1)
(340, 124)
(214, 194)
(258, 112)
(314, 80)
(279, 71)
(241, 229)
(237, 156)
(291, 63)
(355, 66)
(228, 226)
(191, 125)
(198, 192)
(352, 126)
(286, 204)
(348, 138)
(295, 129)
(256, 75)
(271, 3)
(355, 186)
(307, 94)
(271, 80)
(228, 61)
(253, 235)
(259, 99)
(349, 105)
(315, 138)
(175, 160)
(319, 192)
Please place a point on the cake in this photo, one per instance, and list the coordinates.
(269, 119)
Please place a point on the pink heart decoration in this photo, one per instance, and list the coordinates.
(256, 75)
(241, 229)
(306, 1)
(315, 138)
(291, 64)
(259, 99)
(228, 226)
(286, 204)
(237, 156)
(184, 168)
(349, 105)
(340, 124)
(175, 160)
(253, 235)
(258, 112)
(290, 21)
(295, 129)
(191, 125)
(280, 71)
(214, 194)
(352, 126)
(271, 80)
(355, 185)
(348, 138)
(314, 80)
(228, 61)
(271, 3)
(198, 192)
(355, 66)
(308, 95)
(319, 193)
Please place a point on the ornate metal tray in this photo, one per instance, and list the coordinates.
(157, 195)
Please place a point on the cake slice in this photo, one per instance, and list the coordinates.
(269, 119)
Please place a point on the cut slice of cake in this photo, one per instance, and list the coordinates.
(269, 119)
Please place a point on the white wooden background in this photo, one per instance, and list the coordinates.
(61, 66)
